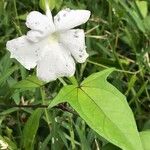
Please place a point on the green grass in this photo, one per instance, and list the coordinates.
(118, 35)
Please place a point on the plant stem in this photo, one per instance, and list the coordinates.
(72, 135)
(73, 80)
(16, 16)
(45, 109)
(118, 70)
(62, 81)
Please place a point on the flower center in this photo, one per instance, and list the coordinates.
(53, 37)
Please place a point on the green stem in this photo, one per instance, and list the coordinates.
(16, 16)
(62, 81)
(73, 80)
(72, 135)
(45, 109)
(118, 70)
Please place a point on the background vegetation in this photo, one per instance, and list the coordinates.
(118, 35)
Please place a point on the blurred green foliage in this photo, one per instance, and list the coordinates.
(118, 35)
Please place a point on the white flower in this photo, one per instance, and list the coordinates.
(51, 44)
(3, 145)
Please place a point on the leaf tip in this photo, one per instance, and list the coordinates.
(109, 71)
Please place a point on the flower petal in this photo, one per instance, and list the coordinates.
(34, 36)
(74, 40)
(25, 51)
(39, 23)
(57, 62)
(67, 19)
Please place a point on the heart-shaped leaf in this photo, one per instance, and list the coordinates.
(104, 109)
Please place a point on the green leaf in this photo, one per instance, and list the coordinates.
(58, 4)
(30, 130)
(139, 23)
(51, 3)
(1, 7)
(131, 15)
(145, 138)
(131, 83)
(8, 111)
(147, 23)
(29, 82)
(6, 74)
(104, 109)
(64, 95)
(143, 7)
